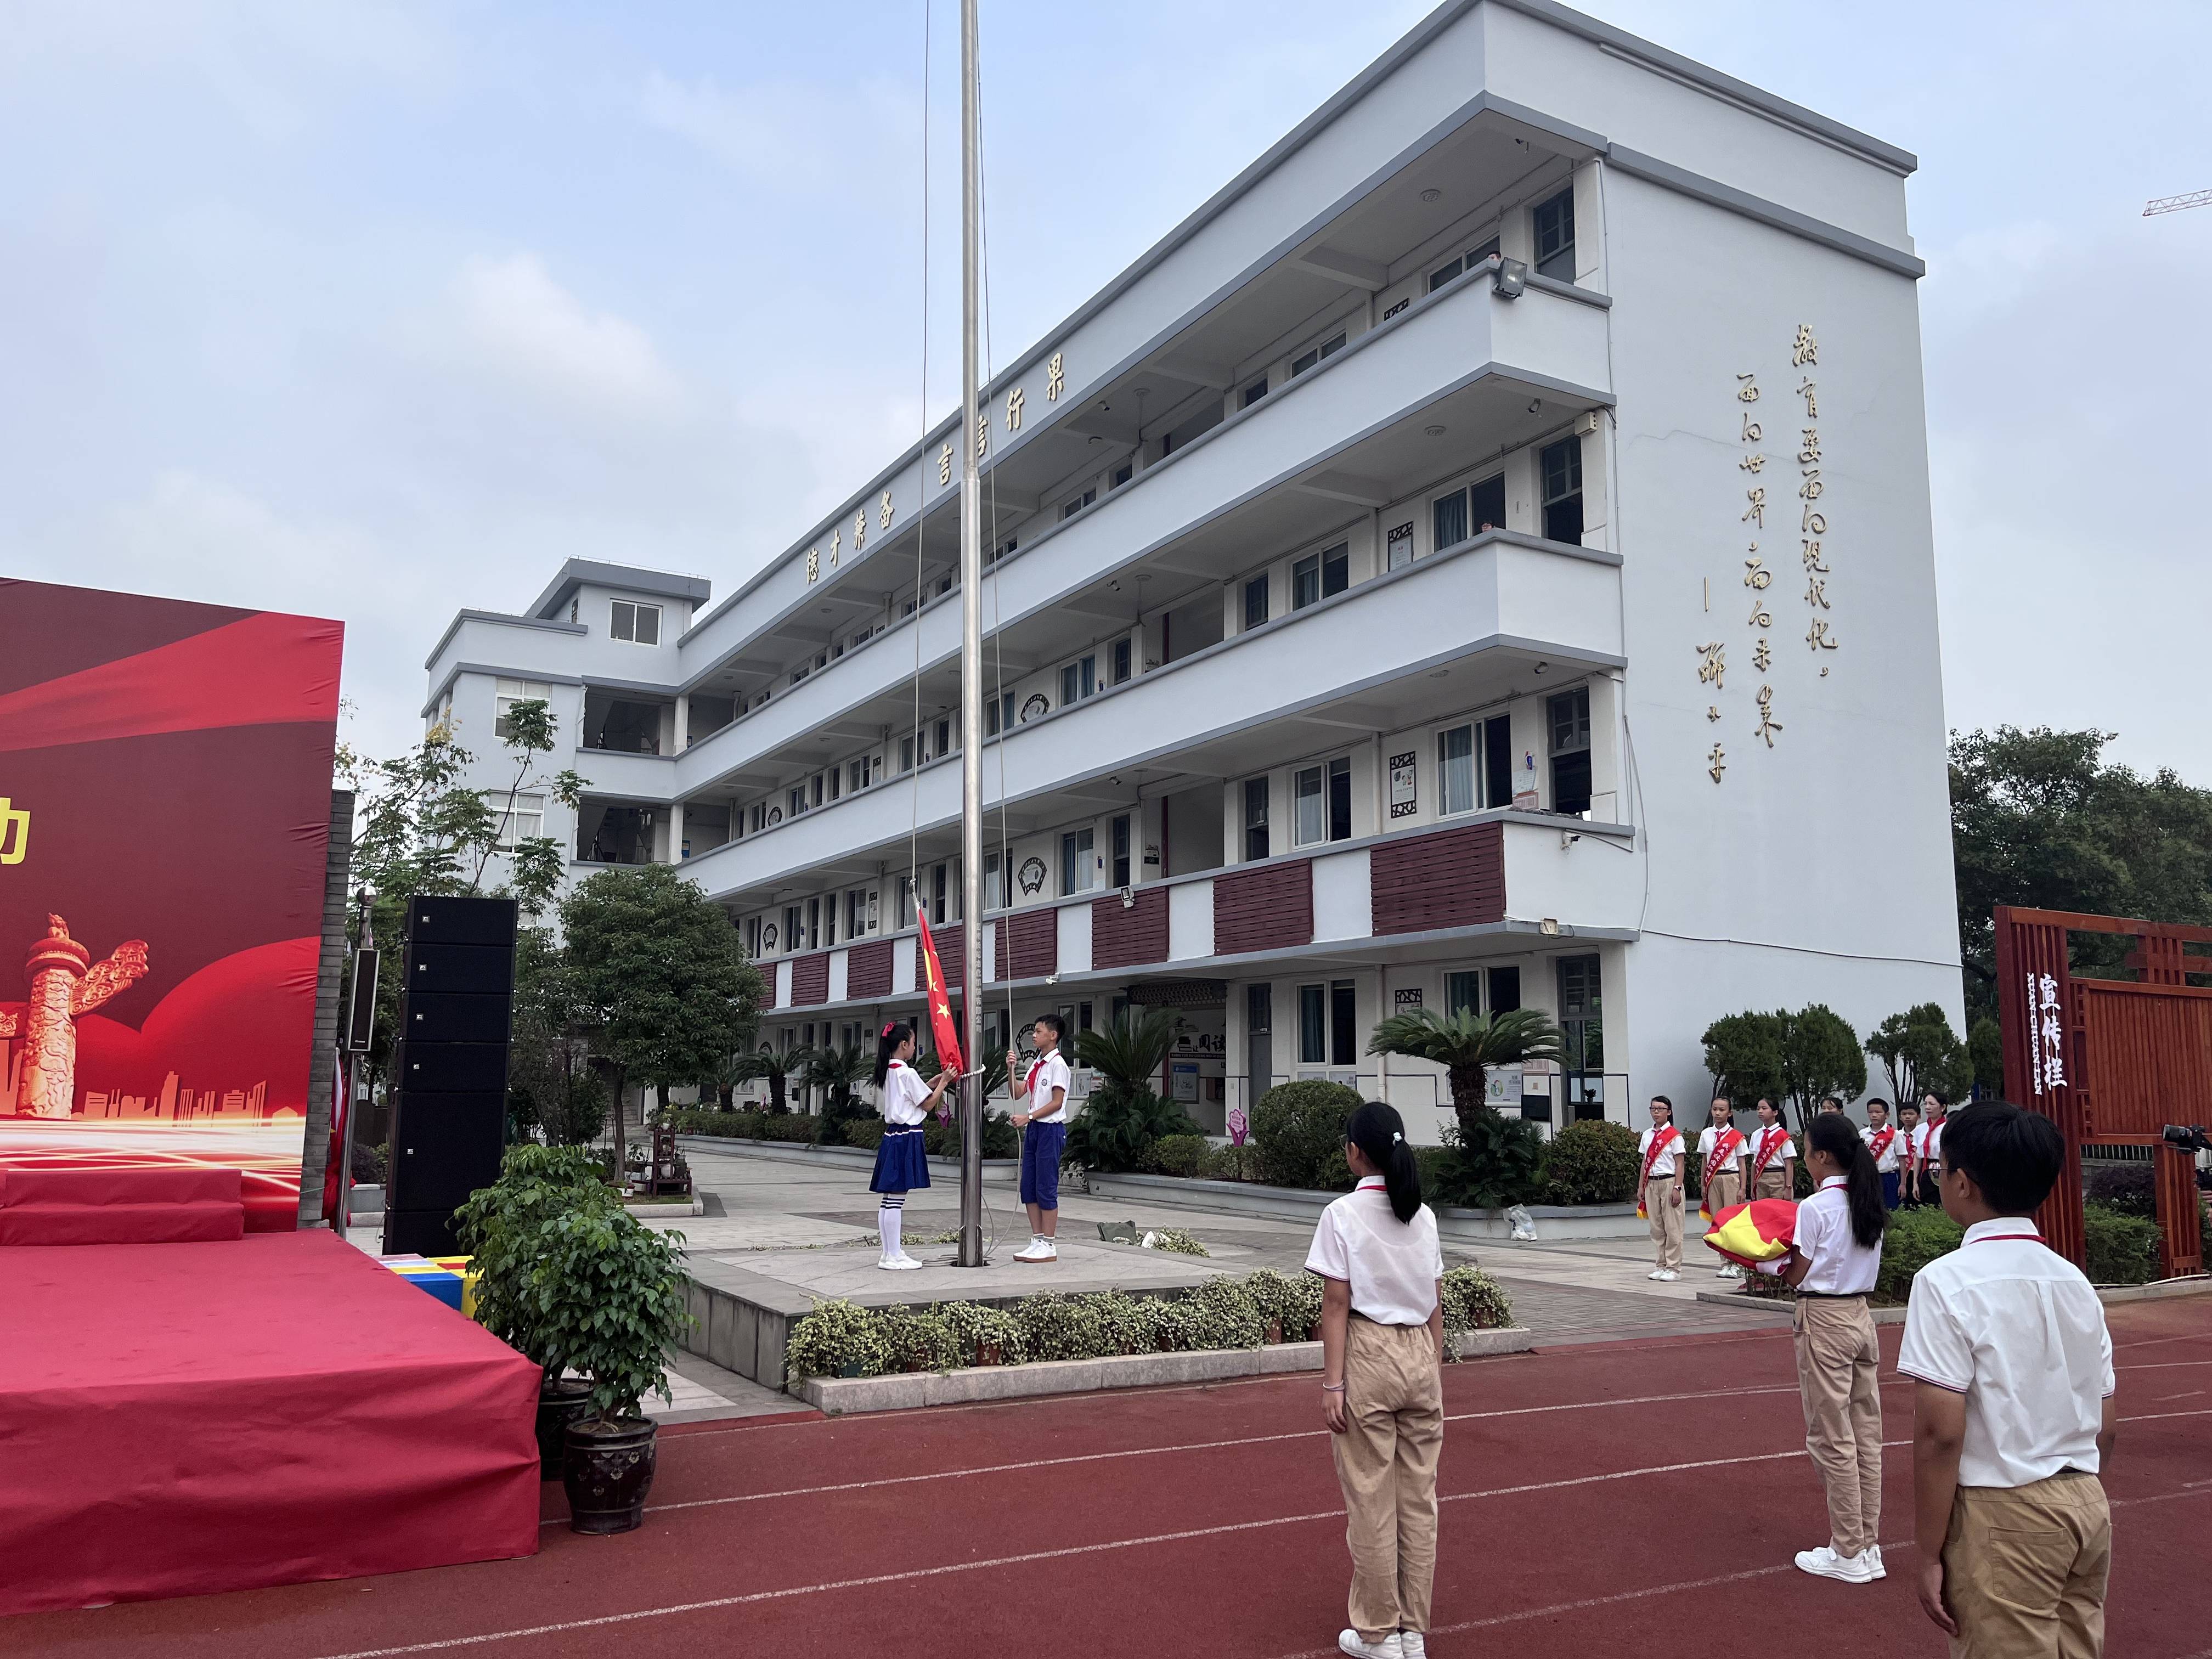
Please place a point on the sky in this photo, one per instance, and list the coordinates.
(376, 310)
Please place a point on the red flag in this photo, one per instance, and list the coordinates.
(940, 1005)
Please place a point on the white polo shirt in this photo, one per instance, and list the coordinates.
(905, 1096)
(1931, 1147)
(1045, 1074)
(1885, 1160)
(1841, 1264)
(2014, 1326)
(1708, 1138)
(1392, 1266)
(1664, 1163)
(1759, 1140)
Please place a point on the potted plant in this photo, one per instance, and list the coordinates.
(613, 1290)
(499, 1228)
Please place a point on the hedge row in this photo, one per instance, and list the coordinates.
(833, 1129)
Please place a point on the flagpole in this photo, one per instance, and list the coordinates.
(971, 654)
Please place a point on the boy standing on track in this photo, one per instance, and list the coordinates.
(1659, 1187)
(1772, 1150)
(1881, 1142)
(1723, 1150)
(2015, 1416)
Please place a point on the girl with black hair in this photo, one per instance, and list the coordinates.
(905, 1102)
(1834, 1258)
(1381, 1332)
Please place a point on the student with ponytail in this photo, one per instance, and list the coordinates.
(1381, 1330)
(906, 1103)
(1833, 1261)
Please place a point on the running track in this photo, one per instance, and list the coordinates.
(1643, 1497)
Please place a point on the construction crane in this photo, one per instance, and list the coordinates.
(2175, 203)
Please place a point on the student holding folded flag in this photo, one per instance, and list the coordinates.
(1722, 1149)
(1772, 1150)
(1659, 1187)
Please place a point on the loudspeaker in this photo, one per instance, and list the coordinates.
(440, 1068)
(444, 1146)
(419, 1232)
(431, 1018)
(461, 921)
(463, 969)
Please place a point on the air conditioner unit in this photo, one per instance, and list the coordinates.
(1586, 423)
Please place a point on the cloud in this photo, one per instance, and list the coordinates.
(517, 321)
(790, 137)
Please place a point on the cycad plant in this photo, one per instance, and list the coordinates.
(1467, 1046)
(753, 1065)
(1123, 1115)
(837, 1071)
(1129, 1052)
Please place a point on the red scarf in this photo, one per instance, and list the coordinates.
(1723, 1154)
(1771, 1142)
(1661, 1141)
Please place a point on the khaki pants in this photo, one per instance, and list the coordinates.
(2023, 1569)
(1386, 1461)
(1836, 1356)
(1773, 1181)
(1723, 1190)
(1666, 1215)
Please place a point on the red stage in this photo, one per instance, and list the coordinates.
(177, 1419)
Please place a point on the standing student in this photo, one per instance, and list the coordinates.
(1832, 1103)
(2014, 1408)
(1834, 1258)
(1933, 1108)
(1881, 1142)
(1381, 1335)
(1771, 1151)
(1723, 1150)
(1909, 1137)
(901, 1166)
(1659, 1187)
(1044, 1134)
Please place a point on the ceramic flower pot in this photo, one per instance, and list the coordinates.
(607, 1470)
(1275, 1331)
(560, 1401)
(988, 1354)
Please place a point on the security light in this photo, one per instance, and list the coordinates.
(1509, 278)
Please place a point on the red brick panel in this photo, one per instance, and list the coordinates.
(868, 970)
(1123, 936)
(1263, 908)
(809, 980)
(1454, 879)
(1029, 943)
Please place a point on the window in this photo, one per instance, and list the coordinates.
(1120, 661)
(1453, 269)
(906, 754)
(1121, 872)
(1079, 863)
(856, 912)
(753, 937)
(524, 821)
(836, 776)
(1568, 716)
(796, 800)
(936, 895)
(1449, 513)
(1122, 474)
(1468, 512)
(1078, 680)
(1312, 354)
(1463, 993)
(813, 922)
(508, 693)
(997, 715)
(1343, 1024)
(1255, 600)
(1582, 1018)
(1475, 766)
(1258, 1040)
(794, 939)
(814, 787)
(1320, 798)
(997, 893)
(1081, 502)
(1555, 236)
(1318, 575)
(1254, 392)
(943, 739)
(1312, 1025)
(638, 623)
(1561, 465)
(1255, 817)
(1504, 990)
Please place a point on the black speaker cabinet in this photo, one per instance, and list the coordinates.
(429, 1018)
(419, 1232)
(461, 921)
(466, 969)
(446, 1068)
(444, 1146)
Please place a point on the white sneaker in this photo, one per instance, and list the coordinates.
(1872, 1556)
(898, 1264)
(1413, 1644)
(1656, 1272)
(1040, 1249)
(1824, 1562)
(1666, 1275)
(1390, 1647)
(904, 1260)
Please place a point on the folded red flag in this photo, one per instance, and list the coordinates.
(940, 1005)
(1754, 1232)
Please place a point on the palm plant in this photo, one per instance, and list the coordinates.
(1467, 1046)
(755, 1063)
(837, 1071)
(1129, 1052)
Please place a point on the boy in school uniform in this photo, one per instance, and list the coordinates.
(1909, 1136)
(1881, 1142)
(1773, 1152)
(2014, 1410)
(1659, 1187)
(1723, 1150)
(1041, 1116)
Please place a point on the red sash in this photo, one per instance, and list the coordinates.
(1880, 1142)
(1657, 1150)
(1723, 1154)
(1910, 1157)
(1770, 1143)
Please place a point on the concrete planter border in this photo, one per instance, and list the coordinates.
(1001, 1172)
(2107, 1294)
(1554, 1221)
(904, 1391)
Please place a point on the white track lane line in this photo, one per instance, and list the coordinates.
(912, 1574)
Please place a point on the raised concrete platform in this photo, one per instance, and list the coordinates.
(1553, 1222)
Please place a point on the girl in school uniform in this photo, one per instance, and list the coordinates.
(1833, 1260)
(905, 1102)
(1382, 1328)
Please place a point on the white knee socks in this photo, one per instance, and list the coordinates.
(887, 1224)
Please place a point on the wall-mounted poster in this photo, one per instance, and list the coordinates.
(1404, 785)
(165, 805)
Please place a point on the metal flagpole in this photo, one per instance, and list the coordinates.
(971, 655)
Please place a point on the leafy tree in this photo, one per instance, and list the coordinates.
(550, 1080)
(1820, 1056)
(1467, 1046)
(1985, 1043)
(1919, 1051)
(2038, 818)
(661, 976)
(1743, 1052)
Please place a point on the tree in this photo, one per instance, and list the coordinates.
(551, 1080)
(837, 1071)
(754, 1066)
(1919, 1051)
(1743, 1052)
(1820, 1056)
(1468, 1046)
(1129, 1052)
(1985, 1044)
(661, 977)
(2038, 818)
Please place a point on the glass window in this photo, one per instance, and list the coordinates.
(1504, 990)
(1448, 272)
(524, 821)
(1079, 863)
(1562, 467)
(1312, 1025)
(1555, 236)
(906, 754)
(1450, 514)
(638, 623)
(1258, 1040)
(1456, 790)
(1254, 392)
(1335, 569)
(1339, 800)
(1306, 581)
(508, 693)
(1255, 817)
(1255, 600)
(1081, 502)
(1343, 1024)
(936, 895)
(1308, 787)
(1463, 993)
(1312, 354)
(1078, 680)
(1122, 474)
(1568, 716)
(1485, 506)
(1120, 661)
(1582, 1018)
(1120, 878)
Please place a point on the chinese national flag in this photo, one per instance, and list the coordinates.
(940, 1004)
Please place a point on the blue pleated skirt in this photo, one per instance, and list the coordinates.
(902, 1165)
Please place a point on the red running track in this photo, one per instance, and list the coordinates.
(1646, 1494)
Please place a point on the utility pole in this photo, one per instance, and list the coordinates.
(971, 650)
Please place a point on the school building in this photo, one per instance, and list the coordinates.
(1481, 557)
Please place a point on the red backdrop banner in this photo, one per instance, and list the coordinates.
(165, 775)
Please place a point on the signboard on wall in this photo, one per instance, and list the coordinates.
(165, 803)
(1404, 785)
(1501, 1086)
(1404, 998)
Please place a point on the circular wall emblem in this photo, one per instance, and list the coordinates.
(1038, 704)
(767, 937)
(775, 815)
(1032, 874)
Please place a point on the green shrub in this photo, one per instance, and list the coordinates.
(1125, 1324)
(837, 1338)
(918, 1341)
(1294, 1299)
(866, 1133)
(1592, 1162)
(1179, 1155)
(1118, 1127)
(1912, 1240)
(1298, 1133)
(791, 1127)
(1056, 1326)
(1801, 1176)
(1491, 1162)
(1473, 1301)
(1000, 1137)
(693, 1121)
(2123, 1188)
(2122, 1250)
(1232, 1163)
(972, 1323)
(1222, 1313)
